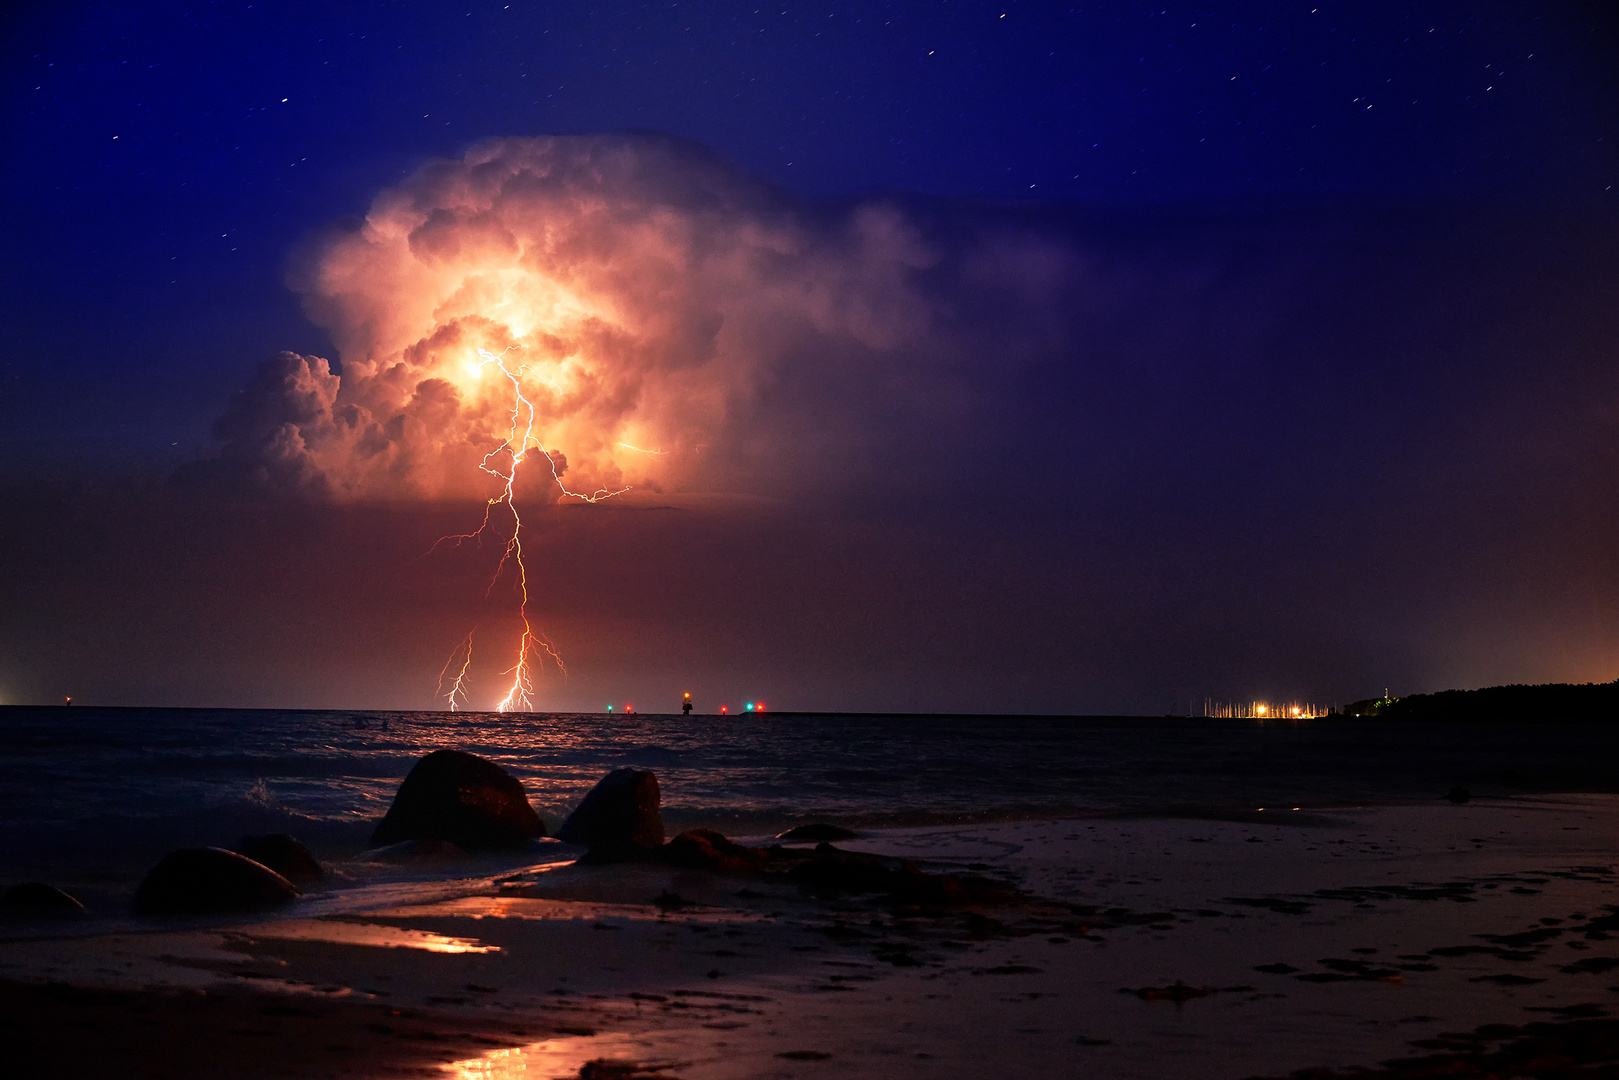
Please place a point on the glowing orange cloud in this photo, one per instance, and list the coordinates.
(615, 306)
(639, 290)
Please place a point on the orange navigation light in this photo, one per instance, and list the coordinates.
(1261, 710)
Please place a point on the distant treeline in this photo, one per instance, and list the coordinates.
(1549, 701)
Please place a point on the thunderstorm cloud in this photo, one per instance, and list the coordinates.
(645, 298)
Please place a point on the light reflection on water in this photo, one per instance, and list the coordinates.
(550, 1059)
(343, 932)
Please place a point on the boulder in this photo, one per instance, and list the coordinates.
(705, 849)
(203, 881)
(618, 818)
(284, 854)
(831, 871)
(461, 798)
(1457, 795)
(37, 900)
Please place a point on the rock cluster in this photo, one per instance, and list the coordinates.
(452, 803)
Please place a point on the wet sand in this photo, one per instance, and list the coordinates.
(1247, 944)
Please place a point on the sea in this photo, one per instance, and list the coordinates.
(91, 797)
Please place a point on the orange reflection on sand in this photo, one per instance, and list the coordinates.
(548, 1059)
(341, 932)
(540, 908)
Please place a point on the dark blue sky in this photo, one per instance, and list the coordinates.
(163, 158)
(1249, 184)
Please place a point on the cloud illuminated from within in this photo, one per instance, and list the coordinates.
(643, 293)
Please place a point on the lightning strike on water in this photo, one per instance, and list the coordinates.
(502, 463)
(458, 684)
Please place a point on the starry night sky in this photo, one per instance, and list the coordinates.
(1320, 393)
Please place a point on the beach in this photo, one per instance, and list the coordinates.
(1250, 942)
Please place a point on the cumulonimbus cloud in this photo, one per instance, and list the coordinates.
(642, 293)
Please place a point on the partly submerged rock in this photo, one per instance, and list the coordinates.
(37, 900)
(831, 871)
(1457, 795)
(818, 832)
(284, 854)
(705, 849)
(202, 881)
(619, 818)
(464, 799)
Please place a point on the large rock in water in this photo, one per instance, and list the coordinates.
(203, 881)
(284, 854)
(619, 818)
(465, 799)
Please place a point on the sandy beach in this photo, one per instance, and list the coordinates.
(1255, 943)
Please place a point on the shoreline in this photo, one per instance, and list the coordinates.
(1393, 923)
(107, 887)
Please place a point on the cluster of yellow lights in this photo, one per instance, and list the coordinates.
(1263, 710)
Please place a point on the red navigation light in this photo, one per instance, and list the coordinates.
(724, 709)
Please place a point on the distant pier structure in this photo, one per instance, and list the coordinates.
(1265, 710)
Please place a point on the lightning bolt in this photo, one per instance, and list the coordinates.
(457, 685)
(502, 463)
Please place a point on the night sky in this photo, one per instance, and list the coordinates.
(954, 356)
